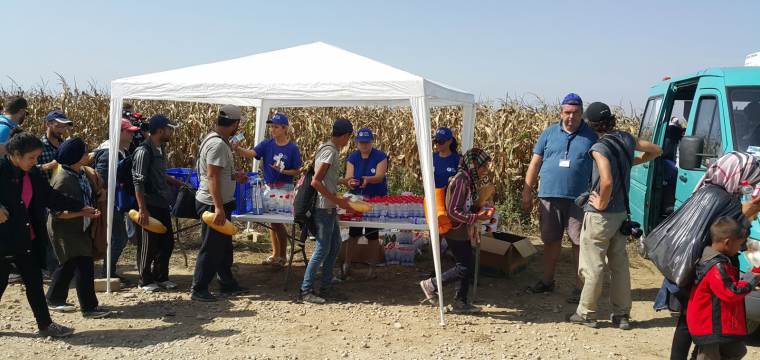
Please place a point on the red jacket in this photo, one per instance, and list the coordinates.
(715, 313)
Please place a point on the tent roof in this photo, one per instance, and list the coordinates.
(315, 74)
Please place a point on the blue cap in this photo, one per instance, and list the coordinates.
(59, 116)
(159, 121)
(443, 134)
(364, 135)
(342, 126)
(572, 99)
(278, 119)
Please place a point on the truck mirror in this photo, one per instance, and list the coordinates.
(690, 152)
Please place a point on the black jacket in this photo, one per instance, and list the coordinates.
(14, 233)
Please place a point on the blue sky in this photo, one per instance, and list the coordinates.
(603, 50)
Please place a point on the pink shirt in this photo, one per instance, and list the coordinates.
(26, 197)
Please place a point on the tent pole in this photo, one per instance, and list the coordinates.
(421, 116)
(113, 158)
(468, 126)
(260, 131)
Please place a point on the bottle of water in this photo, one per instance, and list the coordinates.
(746, 189)
(257, 195)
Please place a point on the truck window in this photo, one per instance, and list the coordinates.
(707, 126)
(649, 119)
(745, 113)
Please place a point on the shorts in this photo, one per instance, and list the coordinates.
(557, 215)
(369, 233)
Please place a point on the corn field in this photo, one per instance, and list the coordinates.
(507, 131)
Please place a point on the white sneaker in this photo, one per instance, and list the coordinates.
(169, 285)
(152, 287)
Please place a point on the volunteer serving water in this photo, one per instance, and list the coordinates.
(445, 158)
(365, 175)
(281, 162)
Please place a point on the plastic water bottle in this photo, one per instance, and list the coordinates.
(257, 195)
(746, 189)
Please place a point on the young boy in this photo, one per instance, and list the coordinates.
(715, 313)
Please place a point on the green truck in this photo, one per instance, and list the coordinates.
(720, 111)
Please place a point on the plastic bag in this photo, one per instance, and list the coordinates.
(675, 246)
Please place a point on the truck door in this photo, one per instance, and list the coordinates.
(707, 123)
(641, 174)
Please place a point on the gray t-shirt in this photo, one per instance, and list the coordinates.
(218, 153)
(328, 154)
(620, 182)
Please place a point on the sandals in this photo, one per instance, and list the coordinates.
(274, 261)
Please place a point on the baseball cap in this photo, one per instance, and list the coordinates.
(59, 116)
(230, 112)
(278, 119)
(572, 99)
(342, 126)
(597, 113)
(364, 135)
(159, 121)
(443, 134)
(127, 125)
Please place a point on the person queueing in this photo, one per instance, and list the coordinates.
(325, 182)
(153, 198)
(445, 158)
(119, 234)
(281, 162)
(462, 194)
(365, 175)
(70, 235)
(14, 113)
(24, 196)
(216, 194)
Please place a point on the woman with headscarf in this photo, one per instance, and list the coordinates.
(24, 196)
(461, 197)
(716, 195)
(70, 234)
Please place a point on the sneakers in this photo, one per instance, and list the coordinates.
(62, 308)
(168, 285)
(234, 291)
(575, 296)
(203, 296)
(150, 288)
(332, 295)
(312, 298)
(541, 287)
(428, 289)
(623, 322)
(56, 331)
(96, 313)
(14, 278)
(274, 261)
(576, 318)
(461, 307)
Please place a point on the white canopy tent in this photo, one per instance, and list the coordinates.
(312, 75)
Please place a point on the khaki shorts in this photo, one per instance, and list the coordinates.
(557, 216)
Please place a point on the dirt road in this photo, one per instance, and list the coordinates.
(383, 320)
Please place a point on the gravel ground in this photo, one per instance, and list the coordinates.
(383, 320)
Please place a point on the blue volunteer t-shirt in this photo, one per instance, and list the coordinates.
(444, 168)
(272, 154)
(368, 167)
(6, 126)
(556, 147)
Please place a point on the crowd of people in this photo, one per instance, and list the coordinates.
(52, 195)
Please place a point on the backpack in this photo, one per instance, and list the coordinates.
(305, 198)
(125, 186)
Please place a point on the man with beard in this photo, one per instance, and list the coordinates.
(13, 115)
(57, 128)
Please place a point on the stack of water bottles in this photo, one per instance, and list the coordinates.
(401, 249)
(408, 209)
(278, 202)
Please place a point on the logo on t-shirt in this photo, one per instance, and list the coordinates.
(451, 170)
(279, 161)
(372, 170)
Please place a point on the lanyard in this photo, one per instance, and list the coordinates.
(570, 138)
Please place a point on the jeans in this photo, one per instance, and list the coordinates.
(463, 271)
(215, 254)
(29, 268)
(155, 250)
(602, 245)
(326, 251)
(83, 267)
(118, 242)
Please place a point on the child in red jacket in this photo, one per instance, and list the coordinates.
(715, 313)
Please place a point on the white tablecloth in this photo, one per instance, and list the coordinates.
(286, 219)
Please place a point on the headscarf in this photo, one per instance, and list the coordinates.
(469, 164)
(731, 170)
(71, 151)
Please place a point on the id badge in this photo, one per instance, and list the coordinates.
(565, 163)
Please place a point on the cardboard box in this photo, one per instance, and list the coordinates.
(100, 285)
(360, 252)
(504, 253)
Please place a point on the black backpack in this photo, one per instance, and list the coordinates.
(305, 199)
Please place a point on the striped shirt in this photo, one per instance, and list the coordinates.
(458, 204)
